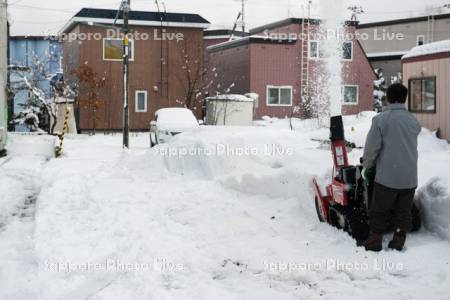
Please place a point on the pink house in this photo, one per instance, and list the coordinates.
(269, 63)
(213, 37)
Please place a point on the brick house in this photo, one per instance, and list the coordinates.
(272, 68)
(164, 47)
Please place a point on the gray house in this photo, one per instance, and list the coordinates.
(386, 42)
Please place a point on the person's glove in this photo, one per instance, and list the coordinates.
(368, 175)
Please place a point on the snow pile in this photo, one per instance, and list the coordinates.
(434, 199)
(272, 161)
(32, 145)
(238, 223)
(427, 49)
(434, 182)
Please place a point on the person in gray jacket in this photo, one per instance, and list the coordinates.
(391, 150)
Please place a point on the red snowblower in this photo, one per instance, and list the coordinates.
(346, 200)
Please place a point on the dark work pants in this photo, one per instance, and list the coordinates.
(390, 203)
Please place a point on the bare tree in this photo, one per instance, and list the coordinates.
(191, 75)
(92, 86)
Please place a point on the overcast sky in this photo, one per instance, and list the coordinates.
(31, 17)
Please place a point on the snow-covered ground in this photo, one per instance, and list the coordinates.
(219, 213)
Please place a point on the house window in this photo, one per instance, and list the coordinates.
(420, 40)
(314, 50)
(279, 95)
(422, 95)
(350, 94)
(113, 49)
(347, 50)
(141, 101)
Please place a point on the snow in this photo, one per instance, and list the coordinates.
(253, 96)
(334, 19)
(238, 40)
(427, 49)
(232, 97)
(384, 54)
(436, 206)
(32, 145)
(217, 213)
(176, 119)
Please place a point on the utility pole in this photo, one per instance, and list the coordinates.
(126, 60)
(243, 15)
(9, 95)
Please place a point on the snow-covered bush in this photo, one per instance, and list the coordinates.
(379, 90)
(39, 111)
(434, 201)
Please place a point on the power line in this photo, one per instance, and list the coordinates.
(20, 6)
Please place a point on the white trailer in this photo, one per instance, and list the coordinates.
(3, 74)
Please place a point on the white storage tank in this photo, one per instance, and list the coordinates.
(229, 110)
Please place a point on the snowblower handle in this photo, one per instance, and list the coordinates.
(338, 143)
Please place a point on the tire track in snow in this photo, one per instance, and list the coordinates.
(20, 190)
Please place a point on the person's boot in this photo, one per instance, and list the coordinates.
(374, 242)
(398, 241)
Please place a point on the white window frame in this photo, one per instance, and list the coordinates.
(318, 50)
(352, 49)
(279, 87)
(423, 39)
(357, 94)
(110, 39)
(136, 99)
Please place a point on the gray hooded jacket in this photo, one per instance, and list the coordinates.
(391, 146)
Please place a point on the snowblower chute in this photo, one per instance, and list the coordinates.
(345, 201)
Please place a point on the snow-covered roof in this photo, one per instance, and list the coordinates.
(231, 97)
(427, 49)
(239, 41)
(176, 119)
(222, 34)
(386, 54)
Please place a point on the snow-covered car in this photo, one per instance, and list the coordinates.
(170, 122)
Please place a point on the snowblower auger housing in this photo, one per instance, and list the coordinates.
(345, 202)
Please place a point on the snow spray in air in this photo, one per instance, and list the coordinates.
(333, 15)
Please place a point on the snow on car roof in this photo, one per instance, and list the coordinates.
(231, 97)
(176, 119)
(432, 48)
